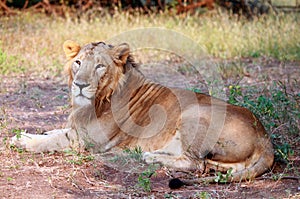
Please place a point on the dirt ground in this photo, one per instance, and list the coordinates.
(37, 104)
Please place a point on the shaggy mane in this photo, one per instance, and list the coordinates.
(84, 115)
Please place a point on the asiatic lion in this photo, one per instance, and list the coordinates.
(114, 105)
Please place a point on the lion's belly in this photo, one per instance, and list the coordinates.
(157, 142)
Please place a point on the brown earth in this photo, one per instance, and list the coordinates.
(38, 104)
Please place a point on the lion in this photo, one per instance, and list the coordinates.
(115, 106)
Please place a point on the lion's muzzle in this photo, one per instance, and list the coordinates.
(81, 87)
(82, 93)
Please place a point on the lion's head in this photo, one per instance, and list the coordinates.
(95, 70)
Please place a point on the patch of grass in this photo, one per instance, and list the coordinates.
(17, 132)
(283, 151)
(131, 161)
(128, 156)
(231, 71)
(203, 195)
(135, 153)
(223, 178)
(144, 177)
(10, 64)
(33, 42)
(78, 158)
(133, 157)
(9, 179)
(284, 2)
(245, 39)
(234, 93)
(17, 149)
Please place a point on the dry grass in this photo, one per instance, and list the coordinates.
(285, 3)
(33, 41)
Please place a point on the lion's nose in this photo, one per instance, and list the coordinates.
(81, 85)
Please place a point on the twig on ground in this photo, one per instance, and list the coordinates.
(87, 179)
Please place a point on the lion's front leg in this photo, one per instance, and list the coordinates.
(56, 140)
(181, 162)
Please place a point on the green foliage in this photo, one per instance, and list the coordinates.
(196, 90)
(135, 153)
(17, 132)
(172, 195)
(255, 54)
(17, 149)
(234, 92)
(144, 178)
(223, 178)
(129, 156)
(89, 146)
(283, 151)
(202, 195)
(276, 108)
(5, 140)
(78, 158)
(9, 179)
(9, 64)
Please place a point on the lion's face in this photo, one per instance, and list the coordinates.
(94, 70)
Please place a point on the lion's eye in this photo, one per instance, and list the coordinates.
(77, 63)
(100, 66)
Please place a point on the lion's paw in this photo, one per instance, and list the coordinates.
(21, 141)
(149, 158)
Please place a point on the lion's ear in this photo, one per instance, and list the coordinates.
(71, 49)
(121, 53)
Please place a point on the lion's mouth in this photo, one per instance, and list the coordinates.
(81, 95)
(82, 100)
